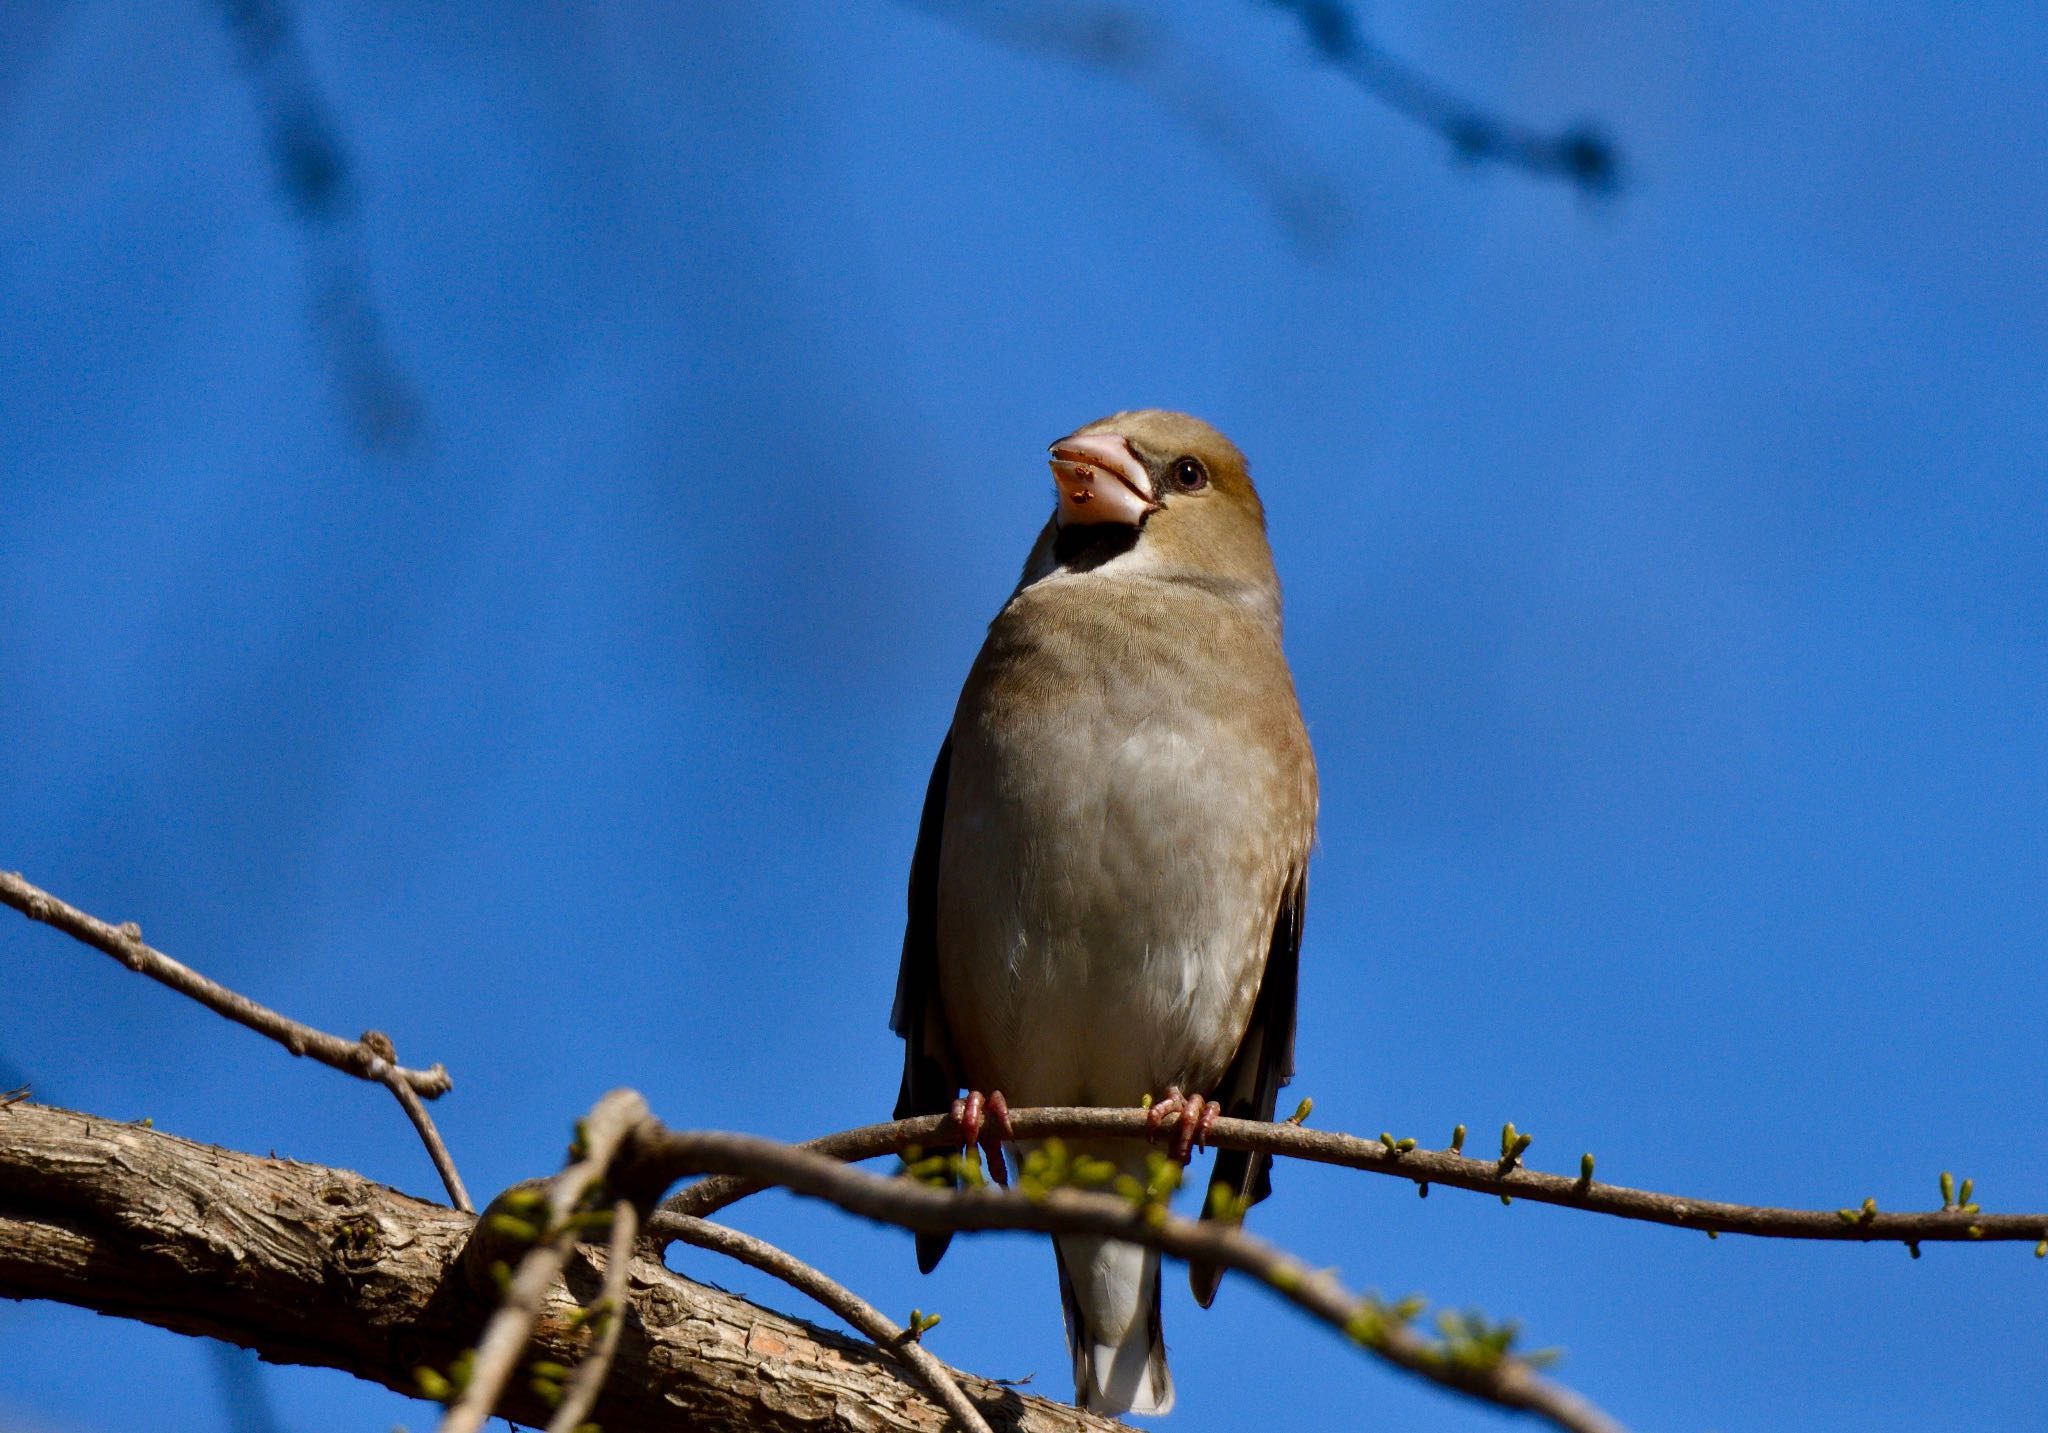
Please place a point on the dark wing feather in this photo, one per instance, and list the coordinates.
(1263, 1063)
(930, 1069)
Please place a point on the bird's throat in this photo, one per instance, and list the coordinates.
(1087, 545)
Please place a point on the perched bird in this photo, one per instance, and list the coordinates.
(1106, 896)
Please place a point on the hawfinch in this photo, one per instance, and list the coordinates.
(1106, 896)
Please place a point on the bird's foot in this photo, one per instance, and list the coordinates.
(983, 1122)
(1191, 1116)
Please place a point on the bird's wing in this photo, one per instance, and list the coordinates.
(930, 1069)
(1263, 1063)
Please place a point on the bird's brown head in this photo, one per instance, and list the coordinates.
(1165, 485)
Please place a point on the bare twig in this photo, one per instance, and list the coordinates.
(370, 1058)
(610, 1122)
(834, 1295)
(1504, 1380)
(385, 1071)
(126, 945)
(1423, 1166)
(608, 1316)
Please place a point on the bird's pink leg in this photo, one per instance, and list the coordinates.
(983, 1121)
(1193, 1118)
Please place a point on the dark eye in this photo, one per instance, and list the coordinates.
(1190, 476)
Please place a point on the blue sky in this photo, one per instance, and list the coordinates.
(1666, 588)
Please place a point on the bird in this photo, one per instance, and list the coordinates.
(1107, 890)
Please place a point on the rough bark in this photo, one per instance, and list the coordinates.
(311, 1265)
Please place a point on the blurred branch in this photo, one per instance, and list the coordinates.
(1203, 93)
(600, 1137)
(1580, 155)
(317, 184)
(370, 1058)
(607, 1317)
(318, 1266)
(1507, 1177)
(858, 1312)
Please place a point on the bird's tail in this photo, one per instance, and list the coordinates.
(1111, 1294)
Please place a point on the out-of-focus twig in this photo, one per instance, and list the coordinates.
(1580, 155)
(611, 1121)
(317, 183)
(579, 1394)
(833, 1295)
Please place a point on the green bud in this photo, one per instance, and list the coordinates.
(1507, 1199)
(1975, 1231)
(1301, 1111)
(1713, 1233)
(513, 1227)
(2041, 1250)
(1948, 1190)
(1847, 1216)
(1507, 1138)
(1521, 1142)
(1405, 1311)
(1403, 1145)
(432, 1384)
(1586, 1168)
(1422, 1190)
(1458, 1140)
(1963, 1195)
(546, 1390)
(501, 1276)
(545, 1368)
(1286, 1278)
(1365, 1326)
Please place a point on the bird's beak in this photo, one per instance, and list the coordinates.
(1099, 479)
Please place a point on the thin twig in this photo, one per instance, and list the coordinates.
(1423, 1166)
(608, 1316)
(385, 1071)
(1505, 1380)
(834, 1295)
(615, 1117)
(126, 945)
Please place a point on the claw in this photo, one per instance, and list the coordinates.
(1192, 1117)
(994, 1134)
(983, 1122)
(967, 1112)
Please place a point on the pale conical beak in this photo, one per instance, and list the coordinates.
(1099, 479)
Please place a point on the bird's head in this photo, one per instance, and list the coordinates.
(1164, 487)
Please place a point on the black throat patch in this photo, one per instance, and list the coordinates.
(1086, 545)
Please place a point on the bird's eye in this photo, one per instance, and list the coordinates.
(1190, 476)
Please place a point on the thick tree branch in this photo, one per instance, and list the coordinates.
(319, 1266)
(1426, 1167)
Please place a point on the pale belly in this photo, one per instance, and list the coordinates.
(1107, 892)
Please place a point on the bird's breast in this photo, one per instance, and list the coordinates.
(1131, 791)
